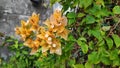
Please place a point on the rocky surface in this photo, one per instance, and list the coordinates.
(12, 11)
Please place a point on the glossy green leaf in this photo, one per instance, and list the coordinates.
(71, 62)
(25, 52)
(116, 40)
(116, 62)
(116, 10)
(114, 54)
(101, 2)
(91, 45)
(95, 33)
(101, 42)
(94, 58)
(81, 14)
(16, 44)
(78, 66)
(104, 56)
(109, 42)
(83, 46)
(81, 3)
(69, 46)
(82, 39)
(106, 60)
(98, 11)
(71, 15)
(85, 3)
(76, 2)
(71, 21)
(106, 28)
(71, 38)
(88, 65)
(90, 19)
(17, 54)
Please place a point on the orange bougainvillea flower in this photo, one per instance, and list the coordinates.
(64, 34)
(57, 24)
(34, 27)
(56, 47)
(57, 15)
(23, 31)
(45, 37)
(28, 42)
(33, 44)
(50, 25)
(34, 19)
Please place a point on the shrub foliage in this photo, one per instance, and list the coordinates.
(94, 40)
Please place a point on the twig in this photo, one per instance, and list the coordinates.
(114, 27)
(111, 30)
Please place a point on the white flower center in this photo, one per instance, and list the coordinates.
(49, 38)
(54, 45)
(46, 35)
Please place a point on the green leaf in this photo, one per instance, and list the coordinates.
(119, 52)
(116, 40)
(76, 2)
(82, 39)
(88, 65)
(71, 15)
(81, 14)
(95, 33)
(103, 52)
(101, 42)
(71, 38)
(116, 10)
(104, 12)
(89, 19)
(106, 60)
(114, 54)
(85, 3)
(25, 52)
(98, 11)
(71, 21)
(81, 3)
(71, 62)
(101, 2)
(104, 56)
(106, 28)
(91, 45)
(17, 54)
(69, 46)
(16, 44)
(116, 62)
(83, 46)
(94, 58)
(109, 42)
(78, 66)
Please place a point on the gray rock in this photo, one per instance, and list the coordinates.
(11, 12)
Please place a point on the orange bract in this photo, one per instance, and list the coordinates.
(35, 36)
(57, 24)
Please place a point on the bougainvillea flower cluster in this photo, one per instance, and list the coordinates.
(46, 36)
